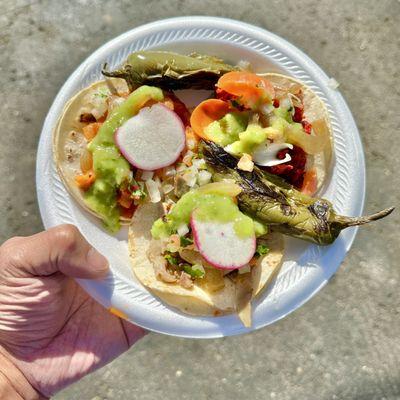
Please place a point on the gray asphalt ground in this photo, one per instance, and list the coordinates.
(344, 343)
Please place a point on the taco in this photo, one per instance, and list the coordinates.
(90, 164)
(209, 291)
(309, 110)
(79, 123)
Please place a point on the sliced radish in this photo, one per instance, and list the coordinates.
(152, 139)
(219, 244)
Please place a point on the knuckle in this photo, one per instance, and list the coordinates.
(68, 237)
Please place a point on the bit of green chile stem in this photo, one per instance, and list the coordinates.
(271, 201)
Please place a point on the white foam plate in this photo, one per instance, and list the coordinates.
(306, 268)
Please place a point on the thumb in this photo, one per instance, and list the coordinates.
(60, 249)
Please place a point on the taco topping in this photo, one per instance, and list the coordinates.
(213, 202)
(141, 143)
(200, 224)
(210, 237)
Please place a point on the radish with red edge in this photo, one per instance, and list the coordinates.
(219, 244)
(152, 139)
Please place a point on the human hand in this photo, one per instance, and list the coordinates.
(52, 332)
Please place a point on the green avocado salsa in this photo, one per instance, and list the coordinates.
(209, 207)
(227, 129)
(110, 167)
(238, 136)
(249, 139)
(234, 131)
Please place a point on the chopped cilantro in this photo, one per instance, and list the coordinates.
(102, 93)
(138, 194)
(194, 273)
(185, 241)
(262, 249)
(172, 260)
(235, 103)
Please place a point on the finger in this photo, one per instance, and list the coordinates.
(133, 333)
(62, 249)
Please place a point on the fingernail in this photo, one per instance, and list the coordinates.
(97, 262)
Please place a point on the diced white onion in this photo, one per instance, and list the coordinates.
(153, 190)
(188, 155)
(199, 163)
(147, 175)
(286, 102)
(204, 177)
(170, 171)
(191, 144)
(187, 159)
(167, 188)
(98, 102)
(181, 167)
(246, 163)
(182, 230)
(190, 176)
(267, 108)
(158, 181)
(228, 149)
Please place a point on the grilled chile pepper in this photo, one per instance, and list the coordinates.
(270, 200)
(170, 71)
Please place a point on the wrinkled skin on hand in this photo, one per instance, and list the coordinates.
(51, 330)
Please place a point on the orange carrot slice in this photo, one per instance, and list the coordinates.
(310, 182)
(250, 88)
(90, 131)
(84, 181)
(207, 112)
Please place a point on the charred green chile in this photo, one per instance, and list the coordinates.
(170, 71)
(268, 199)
